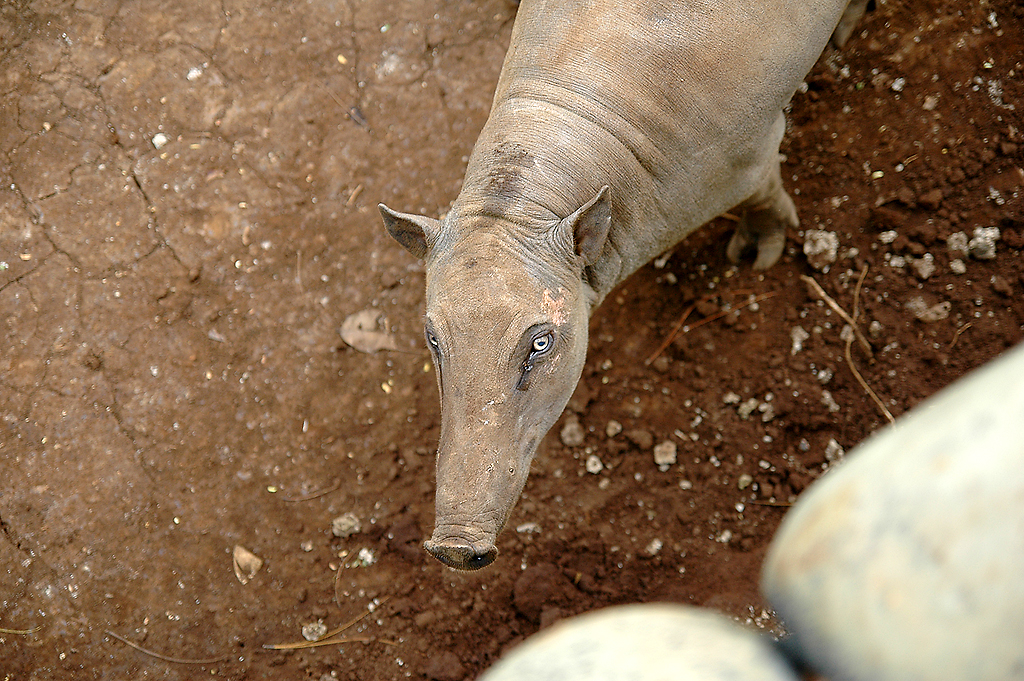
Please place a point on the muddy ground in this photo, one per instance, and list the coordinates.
(188, 197)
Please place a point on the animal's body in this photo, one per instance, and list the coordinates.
(617, 128)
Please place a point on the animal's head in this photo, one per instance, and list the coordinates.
(506, 322)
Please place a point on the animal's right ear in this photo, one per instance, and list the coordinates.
(416, 232)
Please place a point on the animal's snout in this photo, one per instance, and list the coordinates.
(461, 556)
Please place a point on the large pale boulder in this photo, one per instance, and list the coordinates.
(907, 562)
(653, 642)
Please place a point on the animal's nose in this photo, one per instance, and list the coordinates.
(461, 556)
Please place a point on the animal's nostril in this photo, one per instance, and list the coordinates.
(481, 560)
(461, 557)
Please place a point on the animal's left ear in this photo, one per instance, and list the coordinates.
(417, 233)
(589, 226)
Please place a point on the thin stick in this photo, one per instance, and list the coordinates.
(723, 313)
(671, 336)
(336, 485)
(774, 504)
(325, 641)
(686, 313)
(839, 311)
(321, 641)
(956, 336)
(21, 632)
(849, 355)
(863, 383)
(165, 658)
(355, 193)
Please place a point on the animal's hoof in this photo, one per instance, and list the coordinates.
(461, 556)
(768, 245)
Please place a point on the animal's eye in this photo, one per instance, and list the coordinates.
(432, 339)
(542, 343)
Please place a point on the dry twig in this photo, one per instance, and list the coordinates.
(956, 336)
(325, 639)
(852, 321)
(672, 334)
(816, 287)
(849, 356)
(336, 485)
(707, 320)
(355, 193)
(165, 658)
(20, 632)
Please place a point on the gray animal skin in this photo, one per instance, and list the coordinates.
(617, 129)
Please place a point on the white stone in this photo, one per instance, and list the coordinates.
(665, 453)
(798, 335)
(923, 267)
(345, 525)
(983, 245)
(821, 248)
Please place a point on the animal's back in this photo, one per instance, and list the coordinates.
(675, 105)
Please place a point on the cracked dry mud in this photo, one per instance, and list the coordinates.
(172, 378)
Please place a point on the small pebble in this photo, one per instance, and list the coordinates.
(345, 525)
(798, 335)
(572, 433)
(833, 451)
(929, 313)
(821, 248)
(613, 428)
(747, 408)
(314, 631)
(159, 140)
(957, 244)
(983, 245)
(745, 481)
(957, 266)
(665, 453)
(594, 465)
(923, 267)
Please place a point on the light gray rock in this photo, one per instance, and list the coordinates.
(821, 248)
(644, 643)
(924, 267)
(572, 433)
(665, 453)
(957, 244)
(983, 245)
(907, 561)
(346, 525)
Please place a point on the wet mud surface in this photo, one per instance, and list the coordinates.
(188, 215)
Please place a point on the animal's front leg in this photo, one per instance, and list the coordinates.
(764, 217)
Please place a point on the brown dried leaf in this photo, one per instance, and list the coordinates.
(362, 331)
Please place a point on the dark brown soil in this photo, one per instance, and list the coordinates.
(173, 382)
